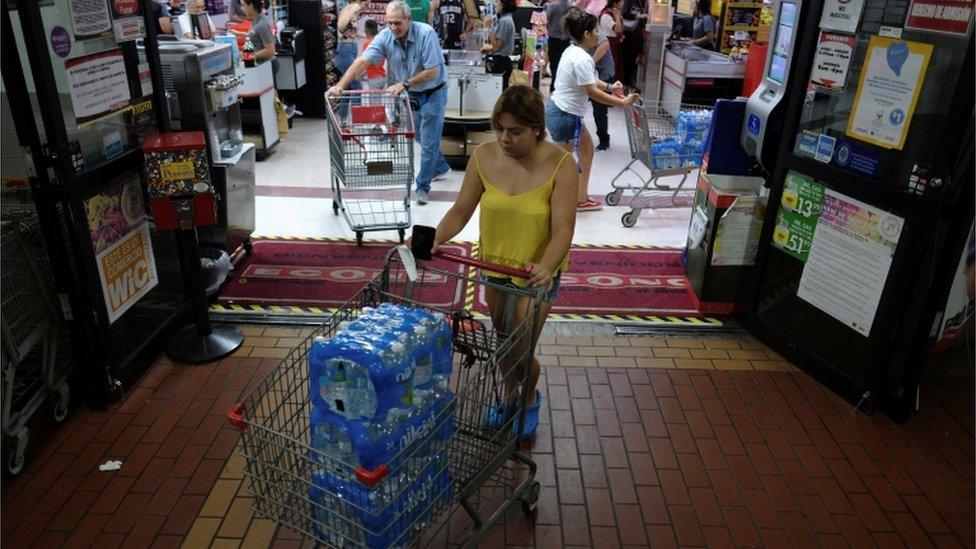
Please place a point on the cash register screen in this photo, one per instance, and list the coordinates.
(783, 45)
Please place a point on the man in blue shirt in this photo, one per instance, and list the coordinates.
(415, 64)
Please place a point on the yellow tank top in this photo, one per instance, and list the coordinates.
(515, 229)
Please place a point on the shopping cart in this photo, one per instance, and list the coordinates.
(33, 370)
(371, 138)
(476, 472)
(668, 139)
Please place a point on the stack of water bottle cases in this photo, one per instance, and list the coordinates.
(380, 397)
(686, 147)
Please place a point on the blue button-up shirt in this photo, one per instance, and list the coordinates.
(422, 51)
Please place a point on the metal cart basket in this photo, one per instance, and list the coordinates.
(371, 154)
(446, 487)
(668, 139)
(33, 371)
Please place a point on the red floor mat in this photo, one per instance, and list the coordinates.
(323, 274)
(609, 281)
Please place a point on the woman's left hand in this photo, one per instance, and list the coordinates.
(541, 275)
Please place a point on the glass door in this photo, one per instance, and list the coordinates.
(93, 100)
(869, 178)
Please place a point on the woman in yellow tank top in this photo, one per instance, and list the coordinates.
(526, 187)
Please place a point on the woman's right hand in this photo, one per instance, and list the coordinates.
(631, 99)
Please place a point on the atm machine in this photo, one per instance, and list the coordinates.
(863, 128)
(762, 127)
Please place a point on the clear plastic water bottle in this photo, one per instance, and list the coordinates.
(360, 395)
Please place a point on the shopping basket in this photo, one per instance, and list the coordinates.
(371, 137)
(669, 140)
(450, 484)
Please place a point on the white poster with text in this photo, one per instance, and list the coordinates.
(832, 60)
(849, 260)
(127, 270)
(841, 15)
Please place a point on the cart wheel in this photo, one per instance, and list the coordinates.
(335, 207)
(61, 406)
(359, 238)
(530, 498)
(629, 219)
(402, 233)
(613, 198)
(15, 451)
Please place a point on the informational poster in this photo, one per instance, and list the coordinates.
(949, 16)
(89, 18)
(849, 260)
(796, 219)
(127, 21)
(737, 234)
(127, 270)
(887, 93)
(120, 238)
(98, 85)
(832, 60)
(841, 15)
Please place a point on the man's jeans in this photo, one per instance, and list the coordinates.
(429, 119)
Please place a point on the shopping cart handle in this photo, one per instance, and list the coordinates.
(235, 416)
(503, 269)
(372, 478)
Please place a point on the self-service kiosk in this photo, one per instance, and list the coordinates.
(762, 126)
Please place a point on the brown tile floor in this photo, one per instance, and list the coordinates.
(663, 441)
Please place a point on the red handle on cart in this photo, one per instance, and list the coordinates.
(503, 269)
(372, 478)
(235, 416)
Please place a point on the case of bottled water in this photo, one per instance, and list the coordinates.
(380, 396)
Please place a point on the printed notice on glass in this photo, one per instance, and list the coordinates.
(841, 15)
(888, 91)
(849, 260)
(127, 270)
(90, 18)
(832, 60)
(737, 235)
(796, 218)
(98, 85)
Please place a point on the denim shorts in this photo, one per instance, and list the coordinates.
(561, 124)
(549, 297)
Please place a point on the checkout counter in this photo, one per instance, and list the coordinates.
(697, 76)
(259, 119)
(471, 97)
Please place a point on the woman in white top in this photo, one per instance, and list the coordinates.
(577, 80)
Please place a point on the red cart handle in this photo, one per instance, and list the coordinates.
(503, 269)
(372, 478)
(235, 416)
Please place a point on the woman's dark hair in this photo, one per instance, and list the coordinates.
(508, 6)
(258, 5)
(610, 4)
(704, 7)
(577, 22)
(525, 104)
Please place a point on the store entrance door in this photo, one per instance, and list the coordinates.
(81, 102)
(872, 200)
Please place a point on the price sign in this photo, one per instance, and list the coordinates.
(797, 216)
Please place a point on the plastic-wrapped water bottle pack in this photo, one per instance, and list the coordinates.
(380, 397)
(687, 145)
